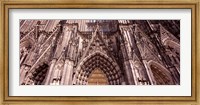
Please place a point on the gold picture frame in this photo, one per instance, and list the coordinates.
(105, 100)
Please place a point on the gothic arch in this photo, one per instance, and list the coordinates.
(160, 74)
(101, 61)
(37, 77)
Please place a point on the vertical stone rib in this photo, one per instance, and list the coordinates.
(68, 75)
(64, 72)
(128, 73)
(134, 72)
(148, 72)
(49, 75)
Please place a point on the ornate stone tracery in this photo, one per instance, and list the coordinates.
(101, 61)
(99, 52)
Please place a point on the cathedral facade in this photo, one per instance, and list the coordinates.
(99, 52)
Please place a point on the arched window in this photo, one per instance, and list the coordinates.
(160, 74)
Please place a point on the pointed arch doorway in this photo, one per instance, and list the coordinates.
(97, 65)
(97, 77)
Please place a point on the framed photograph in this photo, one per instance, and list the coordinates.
(100, 52)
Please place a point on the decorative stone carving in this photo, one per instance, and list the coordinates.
(107, 52)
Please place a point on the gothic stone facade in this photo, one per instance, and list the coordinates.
(99, 52)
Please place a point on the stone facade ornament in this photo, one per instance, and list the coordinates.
(100, 52)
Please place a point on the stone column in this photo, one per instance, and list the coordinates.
(67, 34)
(134, 72)
(129, 73)
(128, 69)
(69, 71)
(150, 75)
(64, 72)
(126, 47)
(49, 75)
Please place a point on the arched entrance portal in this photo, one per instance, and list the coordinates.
(97, 69)
(97, 77)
